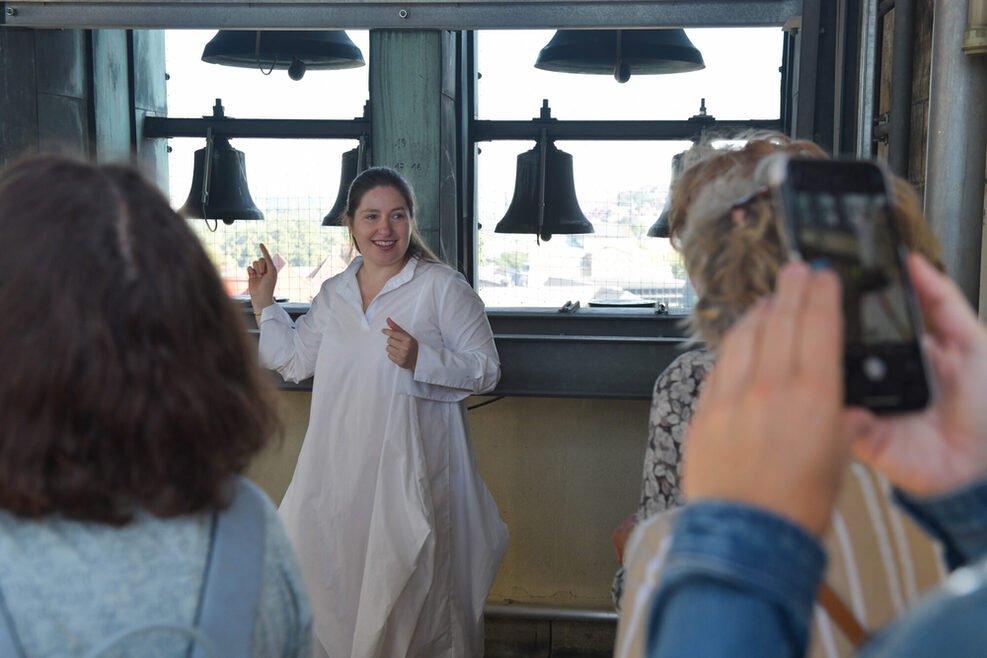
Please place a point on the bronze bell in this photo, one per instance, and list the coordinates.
(221, 192)
(661, 229)
(560, 212)
(296, 51)
(620, 53)
(337, 216)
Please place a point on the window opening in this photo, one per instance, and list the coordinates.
(621, 186)
(617, 263)
(294, 182)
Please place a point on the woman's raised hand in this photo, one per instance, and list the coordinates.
(262, 276)
(402, 348)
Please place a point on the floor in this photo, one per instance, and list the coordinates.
(541, 638)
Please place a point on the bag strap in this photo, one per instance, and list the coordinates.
(201, 641)
(842, 616)
(9, 644)
(231, 591)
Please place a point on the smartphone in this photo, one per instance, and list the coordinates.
(839, 214)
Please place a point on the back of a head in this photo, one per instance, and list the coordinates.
(706, 163)
(732, 264)
(129, 377)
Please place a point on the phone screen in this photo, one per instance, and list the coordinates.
(840, 216)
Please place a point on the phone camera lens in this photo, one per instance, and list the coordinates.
(874, 368)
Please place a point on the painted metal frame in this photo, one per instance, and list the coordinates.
(387, 14)
(155, 127)
(601, 353)
(594, 353)
(590, 130)
(591, 353)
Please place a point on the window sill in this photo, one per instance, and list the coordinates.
(611, 353)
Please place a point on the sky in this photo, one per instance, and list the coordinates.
(741, 81)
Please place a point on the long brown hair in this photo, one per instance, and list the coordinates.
(129, 379)
(375, 177)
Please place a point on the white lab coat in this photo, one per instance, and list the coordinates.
(398, 536)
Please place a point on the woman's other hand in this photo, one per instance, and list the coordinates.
(945, 446)
(262, 276)
(402, 348)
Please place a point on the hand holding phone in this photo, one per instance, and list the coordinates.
(945, 447)
(839, 215)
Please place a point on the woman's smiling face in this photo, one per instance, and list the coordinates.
(382, 227)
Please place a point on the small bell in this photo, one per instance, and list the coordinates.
(661, 228)
(560, 212)
(337, 215)
(219, 182)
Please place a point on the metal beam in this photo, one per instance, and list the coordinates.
(549, 354)
(866, 92)
(902, 58)
(548, 613)
(817, 79)
(410, 14)
(264, 128)
(485, 130)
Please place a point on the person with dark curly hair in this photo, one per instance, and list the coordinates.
(130, 402)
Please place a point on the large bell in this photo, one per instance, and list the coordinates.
(337, 216)
(620, 53)
(661, 228)
(561, 213)
(225, 184)
(296, 51)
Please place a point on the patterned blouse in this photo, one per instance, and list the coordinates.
(672, 403)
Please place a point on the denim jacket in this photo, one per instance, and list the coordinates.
(740, 581)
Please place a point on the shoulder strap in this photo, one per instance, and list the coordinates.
(842, 616)
(231, 591)
(9, 644)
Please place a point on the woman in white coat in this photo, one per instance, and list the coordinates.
(398, 537)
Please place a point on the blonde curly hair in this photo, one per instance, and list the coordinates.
(733, 264)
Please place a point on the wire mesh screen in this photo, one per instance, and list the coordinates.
(294, 183)
(305, 252)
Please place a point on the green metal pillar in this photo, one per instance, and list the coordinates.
(413, 114)
(81, 92)
(45, 93)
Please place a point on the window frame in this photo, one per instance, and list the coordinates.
(476, 131)
(540, 346)
(405, 14)
(590, 352)
(559, 355)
